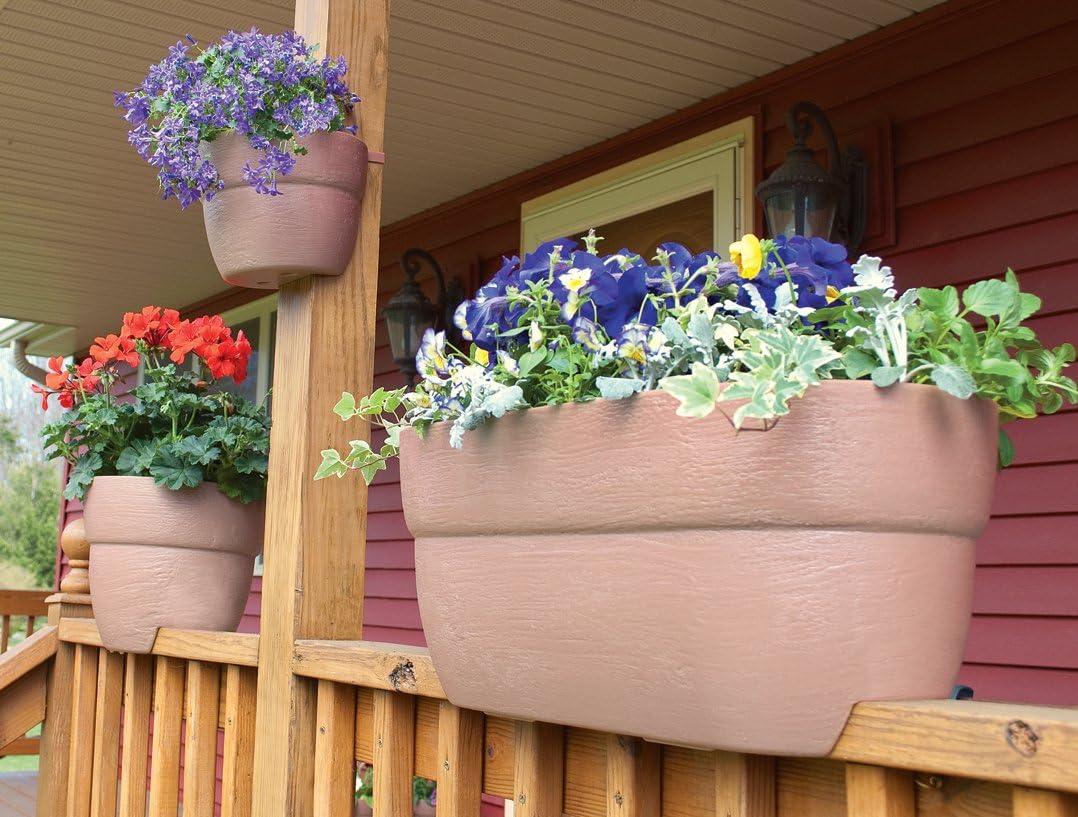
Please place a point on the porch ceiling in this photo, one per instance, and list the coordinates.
(479, 90)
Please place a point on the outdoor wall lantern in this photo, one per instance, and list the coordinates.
(803, 198)
(410, 313)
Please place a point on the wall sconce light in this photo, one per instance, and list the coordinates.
(410, 313)
(802, 198)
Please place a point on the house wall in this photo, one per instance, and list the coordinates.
(970, 115)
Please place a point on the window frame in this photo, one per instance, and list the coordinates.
(720, 161)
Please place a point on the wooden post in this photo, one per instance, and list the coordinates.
(877, 791)
(538, 770)
(1029, 802)
(314, 547)
(460, 760)
(633, 772)
(73, 601)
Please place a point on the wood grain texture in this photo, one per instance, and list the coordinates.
(334, 750)
(239, 725)
(315, 531)
(394, 758)
(56, 734)
(165, 743)
(23, 602)
(633, 777)
(361, 663)
(31, 653)
(200, 748)
(876, 791)
(83, 711)
(744, 785)
(137, 703)
(459, 769)
(538, 770)
(106, 743)
(22, 706)
(195, 645)
(1041, 803)
(1033, 746)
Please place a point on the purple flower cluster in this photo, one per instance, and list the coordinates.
(268, 87)
(611, 297)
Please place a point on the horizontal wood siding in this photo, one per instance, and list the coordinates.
(979, 99)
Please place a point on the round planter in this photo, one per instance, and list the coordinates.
(161, 558)
(614, 566)
(262, 241)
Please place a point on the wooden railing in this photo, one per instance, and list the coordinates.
(20, 611)
(384, 705)
(23, 671)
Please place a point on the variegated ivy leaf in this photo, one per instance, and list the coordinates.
(696, 392)
(346, 406)
(331, 465)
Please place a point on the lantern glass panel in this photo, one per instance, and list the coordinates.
(405, 328)
(802, 210)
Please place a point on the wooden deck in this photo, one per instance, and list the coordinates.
(18, 792)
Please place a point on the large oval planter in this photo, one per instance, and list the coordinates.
(262, 241)
(161, 558)
(614, 566)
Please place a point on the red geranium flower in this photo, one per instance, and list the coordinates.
(57, 376)
(152, 324)
(114, 347)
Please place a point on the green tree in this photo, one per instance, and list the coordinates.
(29, 503)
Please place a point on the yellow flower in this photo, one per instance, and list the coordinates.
(832, 294)
(482, 357)
(748, 257)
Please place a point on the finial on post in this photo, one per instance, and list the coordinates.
(73, 600)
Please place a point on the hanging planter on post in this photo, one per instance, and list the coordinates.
(256, 127)
(704, 502)
(264, 241)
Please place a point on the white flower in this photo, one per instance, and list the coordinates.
(460, 322)
(535, 336)
(575, 279)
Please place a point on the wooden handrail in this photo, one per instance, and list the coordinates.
(239, 649)
(27, 656)
(23, 602)
(1008, 743)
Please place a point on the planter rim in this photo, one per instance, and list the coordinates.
(659, 394)
(339, 140)
(116, 514)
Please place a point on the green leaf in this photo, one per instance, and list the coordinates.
(989, 298)
(529, 360)
(1009, 368)
(884, 376)
(196, 450)
(80, 477)
(171, 472)
(858, 362)
(135, 460)
(252, 462)
(346, 406)
(618, 388)
(1006, 449)
(696, 392)
(371, 469)
(954, 380)
(331, 465)
(942, 302)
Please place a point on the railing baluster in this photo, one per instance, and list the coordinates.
(106, 753)
(744, 785)
(138, 698)
(394, 748)
(165, 744)
(538, 771)
(5, 632)
(633, 772)
(460, 761)
(200, 752)
(878, 791)
(81, 748)
(1029, 802)
(30, 621)
(334, 750)
(240, 693)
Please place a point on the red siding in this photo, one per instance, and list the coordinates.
(980, 102)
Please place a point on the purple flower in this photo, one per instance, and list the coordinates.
(268, 87)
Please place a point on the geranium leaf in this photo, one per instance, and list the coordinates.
(171, 472)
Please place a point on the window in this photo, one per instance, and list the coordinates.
(698, 193)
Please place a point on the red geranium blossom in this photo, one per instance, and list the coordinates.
(113, 347)
(211, 340)
(152, 324)
(66, 382)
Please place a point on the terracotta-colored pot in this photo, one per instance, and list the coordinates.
(262, 241)
(161, 558)
(614, 566)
